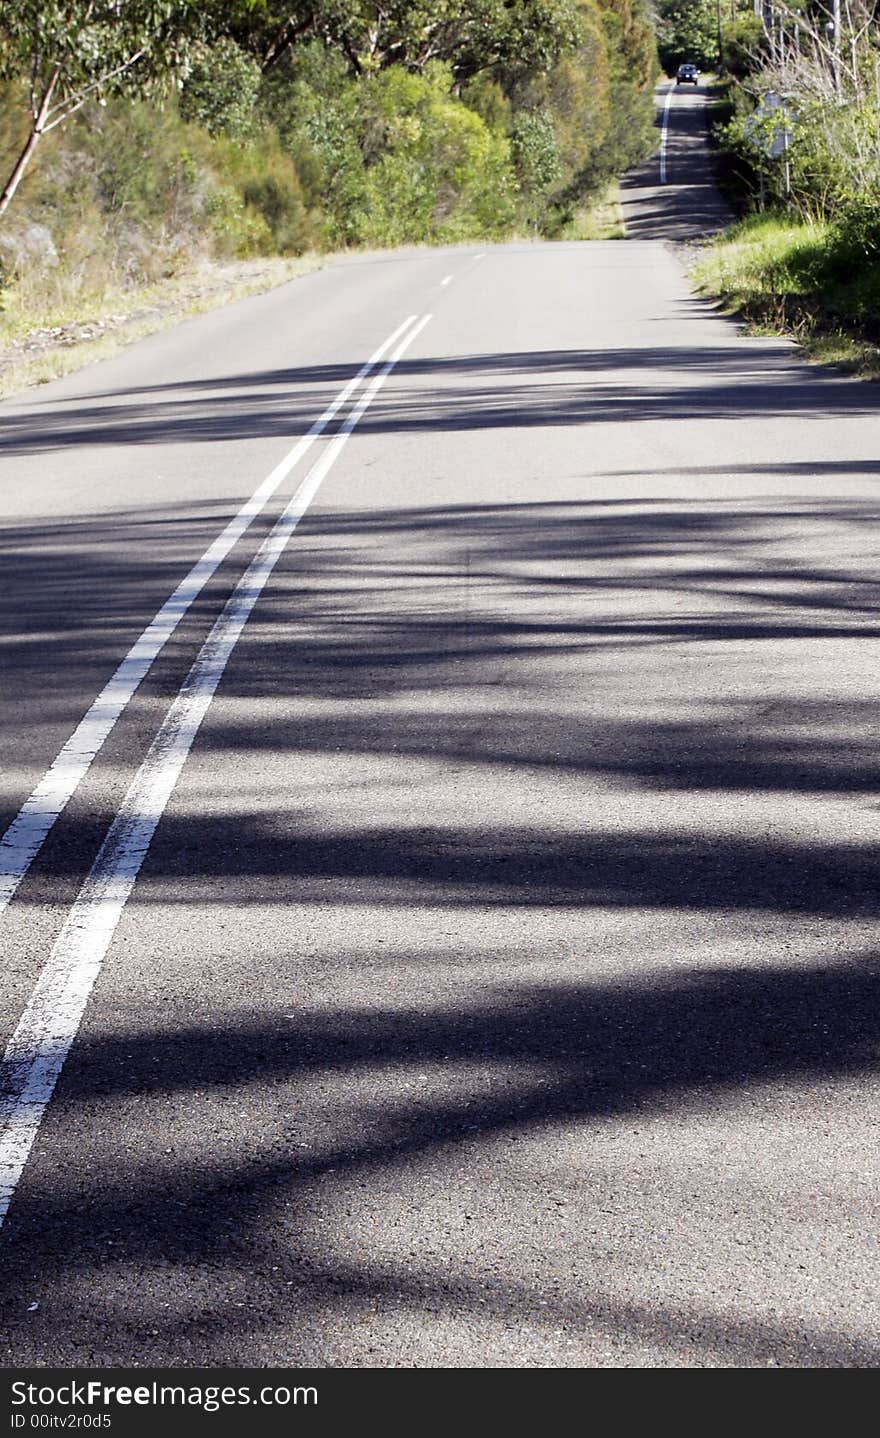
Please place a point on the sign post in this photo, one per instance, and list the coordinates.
(774, 138)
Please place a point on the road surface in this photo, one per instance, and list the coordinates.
(458, 937)
(673, 195)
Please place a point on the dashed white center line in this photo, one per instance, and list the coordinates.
(41, 1042)
(448, 280)
(25, 836)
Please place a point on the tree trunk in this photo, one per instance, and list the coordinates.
(39, 124)
(21, 165)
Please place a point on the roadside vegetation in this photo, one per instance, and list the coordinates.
(808, 279)
(148, 140)
(799, 131)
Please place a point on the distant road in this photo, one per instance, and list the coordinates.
(455, 677)
(673, 195)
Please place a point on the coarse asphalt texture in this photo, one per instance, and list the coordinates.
(500, 986)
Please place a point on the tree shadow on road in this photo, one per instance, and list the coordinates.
(439, 394)
(509, 1063)
(355, 652)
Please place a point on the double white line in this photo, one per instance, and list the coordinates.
(40, 1044)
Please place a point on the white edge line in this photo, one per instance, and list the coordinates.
(663, 132)
(24, 837)
(42, 1039)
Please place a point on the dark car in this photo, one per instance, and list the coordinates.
(687, 75)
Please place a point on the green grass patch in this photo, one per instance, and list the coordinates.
(789, 277)
(599, 219)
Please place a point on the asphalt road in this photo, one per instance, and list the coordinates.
(673, 195)
(499, 986)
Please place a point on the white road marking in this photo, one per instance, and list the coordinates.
(25, 836)
(41, 1042)
(447, 281)
(663, 133)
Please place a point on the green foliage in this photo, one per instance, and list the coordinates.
(237, 230)
(486, 97)
(632, 71)
(829, 168)
(535, 152)
(745, 41)
(433, 171)
(266, 29)
(687, 30)
(70, 50)
(810, 265)
(117, 197)
(787, 274)
(833, 156)
(858, 227)
(470, 35)
(153, 174)
(220, 91)
(598, 98)
(393, 157)
(632, 48)
(311, 100)
(337, 122)
(129, 194)
(94, 43)
(137, 165)
(275, 218)
(578, 95)
(633, 135)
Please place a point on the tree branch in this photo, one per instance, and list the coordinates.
(284, 37)
(71, 103)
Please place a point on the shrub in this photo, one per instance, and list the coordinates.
(220, 92)
(536, 156)
(130, 193)
(237, 229)
(311, 100)
(394, 157)
(858, 226)
(486, 98)
(434, 170)
(266, 180)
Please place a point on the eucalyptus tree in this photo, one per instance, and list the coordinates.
(471, 35)
(64, 52)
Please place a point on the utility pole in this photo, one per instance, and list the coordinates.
(832, 28)
(770, 29)
(721, 38)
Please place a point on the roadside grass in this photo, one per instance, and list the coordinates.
(600, 219)
(41, 340)
(786, 276)
(46, 333)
